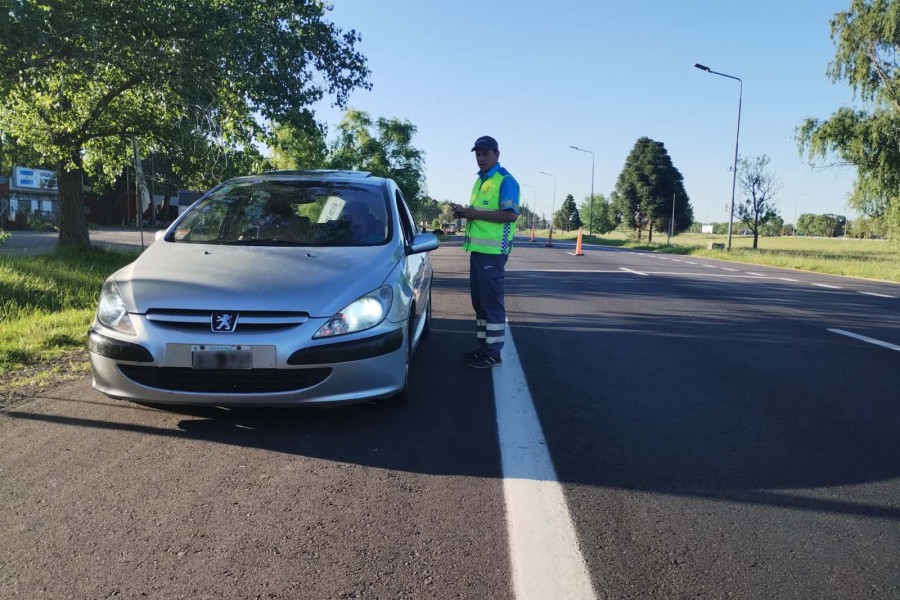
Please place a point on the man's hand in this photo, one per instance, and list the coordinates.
(459, 211)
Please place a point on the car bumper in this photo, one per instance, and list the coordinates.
(343, 371)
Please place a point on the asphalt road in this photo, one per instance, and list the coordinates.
(711, 434)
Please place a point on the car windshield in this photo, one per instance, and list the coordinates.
(287, 213)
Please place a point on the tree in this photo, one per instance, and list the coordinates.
(567, 217)
(384, 148)
(760, 185)
(645, 189)
(603, 220)
(76, 77)
(867, 58)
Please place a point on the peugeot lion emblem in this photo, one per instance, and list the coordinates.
(224, 322)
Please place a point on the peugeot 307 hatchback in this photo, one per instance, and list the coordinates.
(292, 287)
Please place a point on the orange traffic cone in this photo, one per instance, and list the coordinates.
(532, 233)
(550, 239)
(578, 251)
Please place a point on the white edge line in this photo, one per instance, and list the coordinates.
(863, 338)
(877, 295)
(633, 271)
(789, 279)
(545, 558)
(727, 269)
(756, 274)
(825, 285)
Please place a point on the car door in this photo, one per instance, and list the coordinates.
(417, 268)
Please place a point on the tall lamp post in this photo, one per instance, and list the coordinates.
(552, 206)
(737, 139)
(533, 199)
(591, 208)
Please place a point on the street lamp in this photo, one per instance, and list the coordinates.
(533, 199)
(737, 139)
(591, 209)
(552, 206)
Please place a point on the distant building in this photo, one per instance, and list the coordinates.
(706, 229)
(31, 191)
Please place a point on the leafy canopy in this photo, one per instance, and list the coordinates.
(867, 40)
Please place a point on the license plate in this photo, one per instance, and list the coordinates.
(221, 357)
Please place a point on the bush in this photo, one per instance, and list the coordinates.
(3, 237)
(22, 223)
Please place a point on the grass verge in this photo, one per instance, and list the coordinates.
(47, 303)
(870, 259)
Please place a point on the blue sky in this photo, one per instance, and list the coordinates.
(541, 76)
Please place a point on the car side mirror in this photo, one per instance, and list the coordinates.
(424, 242)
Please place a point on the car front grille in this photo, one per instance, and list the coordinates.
(225, 381)
(247, 320)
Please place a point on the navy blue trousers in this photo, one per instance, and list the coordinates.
(487, 273)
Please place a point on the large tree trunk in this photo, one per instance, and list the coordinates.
(73, 230)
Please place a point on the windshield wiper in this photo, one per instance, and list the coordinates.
(263, 242)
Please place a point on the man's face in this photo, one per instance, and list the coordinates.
(486, 159)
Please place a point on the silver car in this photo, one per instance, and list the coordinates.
(292, 287)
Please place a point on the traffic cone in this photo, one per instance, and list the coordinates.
(532, 233)
(549, 243)
(578, 251)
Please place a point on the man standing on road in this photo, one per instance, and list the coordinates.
(491, 223)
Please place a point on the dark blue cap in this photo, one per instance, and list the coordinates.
(486, 141)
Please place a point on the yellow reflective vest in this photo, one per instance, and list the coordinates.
(484, 236)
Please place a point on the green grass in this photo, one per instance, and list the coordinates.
(871, 259)
(47, 303)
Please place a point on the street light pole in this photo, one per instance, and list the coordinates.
(552, 206)
(737, 139)
(591, 208)
(533, 199)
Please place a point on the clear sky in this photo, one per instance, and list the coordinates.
(541, 76)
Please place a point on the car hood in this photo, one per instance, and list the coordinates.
(319, 281)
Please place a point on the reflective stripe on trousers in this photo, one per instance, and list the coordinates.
(486, 279)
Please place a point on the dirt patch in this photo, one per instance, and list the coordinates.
(23, 384)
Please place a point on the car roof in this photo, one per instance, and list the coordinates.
(360, 177)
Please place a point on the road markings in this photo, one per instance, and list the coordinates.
(789, 279)
(863, 338)
(728, 269)
(633, 271)
(677, 260)
(561, 271)
(877, 295)
(709, 266)
(690, 263)
(545, 559)
(756, 274)
(825, 285)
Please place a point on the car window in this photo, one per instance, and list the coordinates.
(285, 212)
(406, 221)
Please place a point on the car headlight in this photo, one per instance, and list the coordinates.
(111, 310)
(359, 315)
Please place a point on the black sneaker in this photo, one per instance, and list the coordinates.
(473, 355)
(484, 362)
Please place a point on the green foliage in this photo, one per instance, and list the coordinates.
(567, 217)
(384, 148)
(646, 188)
(759, 186)
(866, 56)
(47, 302)
(603, 219)
(77, 77)
(4, 235)
(826, 225)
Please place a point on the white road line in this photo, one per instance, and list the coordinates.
(573, 254)
(633, 271)
(728, 269)
(691, 263)
(562, 271)
(877, 295)
(789, 279)
(545, 559)
(825, 285)
(709, 266)
(863, 338)
(677, 260)
(755, 274)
